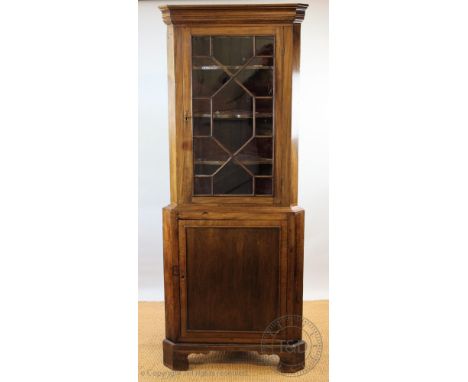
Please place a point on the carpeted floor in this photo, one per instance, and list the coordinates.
(223, 366)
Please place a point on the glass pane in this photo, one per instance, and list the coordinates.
(258, 81)
(201, 127)
(264, 117)
(232, 50)
(263, 186)
(204, 63)
(264, 46)
(264, 105)
(206, 167)
(202, 106)
(232, 114)
(260, 63)
(260, 168)
(233, 133)
(232, 179)
(206, 82)
(264, 127)
(206, 149)
(258, 149)
(232, 101)
(202, 186)
(201, 46)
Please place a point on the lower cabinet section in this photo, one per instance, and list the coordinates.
(228, 279)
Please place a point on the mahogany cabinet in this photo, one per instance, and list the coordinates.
(233, 234)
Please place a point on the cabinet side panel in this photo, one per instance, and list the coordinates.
(171, 264)
(176, 114)
(296, 57)
(280, 131)
(171, 82)
(286, 115)
(299, 264)
(291, 271)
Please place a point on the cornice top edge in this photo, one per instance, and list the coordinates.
(292, 13)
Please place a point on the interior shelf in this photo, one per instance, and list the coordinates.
(245, 162)
(256, 136)
(237, 67)
(209, 98)
(232, 115)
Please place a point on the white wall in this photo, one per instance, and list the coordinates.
(154, 142)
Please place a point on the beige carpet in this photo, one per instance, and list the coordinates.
(222, 366)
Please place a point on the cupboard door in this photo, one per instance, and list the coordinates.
(232, 110)
(232, 277)
(236, 131)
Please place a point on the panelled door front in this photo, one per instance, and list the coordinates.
(232, 278)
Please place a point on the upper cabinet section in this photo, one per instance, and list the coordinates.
(233, 14)
(231, 75)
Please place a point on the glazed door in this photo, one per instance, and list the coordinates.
(232, 278)
(233, 99)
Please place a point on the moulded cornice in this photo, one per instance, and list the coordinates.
(233, 14)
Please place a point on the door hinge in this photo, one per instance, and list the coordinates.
(175, 270)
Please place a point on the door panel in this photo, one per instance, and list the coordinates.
(232, 271)
(233, 277)
(232, 76)
(235, 138)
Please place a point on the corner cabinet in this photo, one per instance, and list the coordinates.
(233, 235)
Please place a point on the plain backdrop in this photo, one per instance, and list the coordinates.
(69, 190)
(154, 146)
